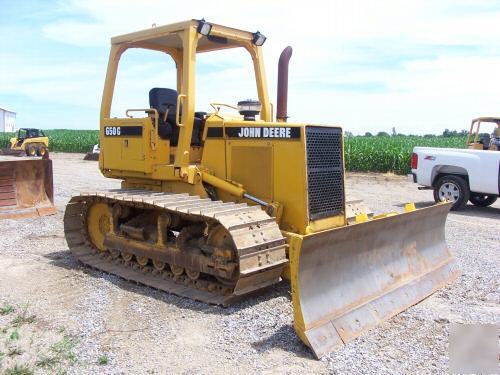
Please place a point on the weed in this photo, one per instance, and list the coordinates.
(13, 351)
(64, 349)
(14, 335)
(103, 360)
(46, 362)
(6, 309)
(19, 370)
(23, 318)
(20, 320)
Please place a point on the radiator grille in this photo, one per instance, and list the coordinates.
(325, 172)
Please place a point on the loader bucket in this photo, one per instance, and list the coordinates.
(26, 189)
(347, 280)
(91, 156)
(10, 152)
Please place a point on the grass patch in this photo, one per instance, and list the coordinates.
(23, 318)
(19, 370)
(53, 359)
(60, 356)
(47, 362)
(6, 309)
(14, 335)
(103, 360)
(14, 351)
(64, 349)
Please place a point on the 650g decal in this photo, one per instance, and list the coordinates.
(121, 131)
(112, 130)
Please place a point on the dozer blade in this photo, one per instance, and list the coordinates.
(349, 279)
(91, 156)
(10, 152)
(26, 189)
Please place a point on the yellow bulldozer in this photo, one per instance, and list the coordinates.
(218, 206)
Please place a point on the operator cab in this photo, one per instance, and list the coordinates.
(25, 133)
(485, 140)
(172, 131)
(29, 133)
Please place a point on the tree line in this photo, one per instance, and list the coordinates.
(446, 133)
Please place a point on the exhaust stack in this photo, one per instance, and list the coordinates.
(282, 100)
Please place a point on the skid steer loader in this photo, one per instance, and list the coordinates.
(215, 206)
(26, 188)
(29, 142)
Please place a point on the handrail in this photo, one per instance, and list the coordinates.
(214, 106)
(178, 109)
(154, 131)
(147, 110)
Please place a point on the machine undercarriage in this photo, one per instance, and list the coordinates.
(209, 251)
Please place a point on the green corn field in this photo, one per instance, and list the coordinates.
(390, 154)
(64, 140)
(364, 154)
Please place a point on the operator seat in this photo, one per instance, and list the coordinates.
(163, 100)
(485, 141)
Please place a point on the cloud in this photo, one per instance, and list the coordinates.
(419, 65)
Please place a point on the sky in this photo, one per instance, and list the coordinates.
(417, 65)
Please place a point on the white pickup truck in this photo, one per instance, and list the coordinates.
(457, 175)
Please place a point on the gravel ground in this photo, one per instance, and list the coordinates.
(108, 325)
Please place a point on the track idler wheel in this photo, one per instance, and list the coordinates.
(98, 224)
(221, 240)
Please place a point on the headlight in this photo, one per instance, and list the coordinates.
(204, 27)
(258, 39)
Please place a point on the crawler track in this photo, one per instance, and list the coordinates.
(260, 247)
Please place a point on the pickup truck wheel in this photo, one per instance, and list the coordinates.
(454, 189)
(482, 200)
